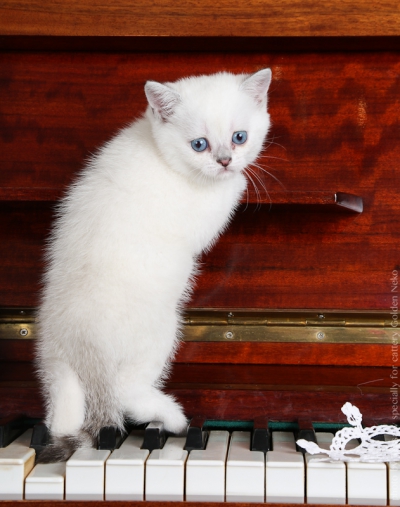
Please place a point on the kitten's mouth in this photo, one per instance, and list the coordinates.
(221, 173)
(225, 171)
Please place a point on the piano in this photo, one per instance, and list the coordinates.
(296, 309)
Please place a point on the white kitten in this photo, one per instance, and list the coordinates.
(123, 252)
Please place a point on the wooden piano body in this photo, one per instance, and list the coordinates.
(295, 311)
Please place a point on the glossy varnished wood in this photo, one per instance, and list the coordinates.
(335, 123)
(206, 18)
(254, 376)
(241, 380)
(242, 403)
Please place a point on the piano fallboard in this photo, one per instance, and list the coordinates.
(241, 364)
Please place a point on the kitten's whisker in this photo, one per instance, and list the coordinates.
(266, 191)
(247, 197)
(257, 193)
(273, 142)
(263, 186)
(270, 156)
(257, 177)
(251, 179)
(270, 174)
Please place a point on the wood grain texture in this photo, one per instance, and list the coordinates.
(331, 199)
(236, 403)
(277, 374)
(251, 375)
(241, 380)
(224, 18)
(335, 128)
(249, 353)
(282, 353)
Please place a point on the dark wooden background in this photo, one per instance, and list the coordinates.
(335, 127)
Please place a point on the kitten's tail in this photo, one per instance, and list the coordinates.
(78, 406)
(62, 448)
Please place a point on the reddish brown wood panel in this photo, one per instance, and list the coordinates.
(279, 405)
(335, 128)
(249, 353)
(241, 382)
(206, 18)
(254, 376)
(235, 403)
(285, 353)
(279, 375)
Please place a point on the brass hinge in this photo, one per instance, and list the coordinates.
(249, 325)
(288, 326)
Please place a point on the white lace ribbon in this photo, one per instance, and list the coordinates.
(369, 450)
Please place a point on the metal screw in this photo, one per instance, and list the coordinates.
(320, 335)
(229, 335)
(23, 331)
(230, 314)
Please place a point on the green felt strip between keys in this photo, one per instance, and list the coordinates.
(272, 425)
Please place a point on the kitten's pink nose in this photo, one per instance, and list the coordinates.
(224, 161)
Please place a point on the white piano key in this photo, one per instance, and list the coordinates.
(16, 461)
(394, 482)
(205, 470)
(46, 482)
(85, 475)
(245, 470)
(326, 481)
(284, 470)
(393, 477)
(165, 471)
(125, 469)
(366, 482)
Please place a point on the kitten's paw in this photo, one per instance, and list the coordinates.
(174, 420)
(177, 425)
(153, 405)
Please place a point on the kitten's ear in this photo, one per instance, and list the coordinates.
(257, 85)
(161, 98)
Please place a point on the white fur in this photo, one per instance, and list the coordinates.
(123, 251)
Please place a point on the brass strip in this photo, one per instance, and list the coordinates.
(306, 334)
(249, 326)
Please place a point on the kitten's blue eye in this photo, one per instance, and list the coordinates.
(239, 137)
(199, 144)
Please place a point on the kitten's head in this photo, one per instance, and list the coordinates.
(210, 127)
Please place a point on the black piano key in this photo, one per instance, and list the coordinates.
(109, 438)
(196, 436)
(11, 428)
(260, 436)
(154, 436)
(305, 431)
(40, 437)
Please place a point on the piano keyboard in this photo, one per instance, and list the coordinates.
(225, 470)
